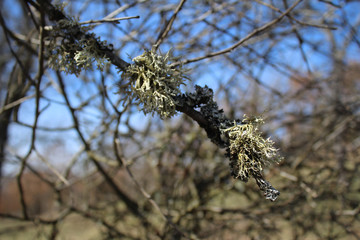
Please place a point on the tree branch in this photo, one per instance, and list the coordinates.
(208, 115)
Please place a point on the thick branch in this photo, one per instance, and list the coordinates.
(210, 118)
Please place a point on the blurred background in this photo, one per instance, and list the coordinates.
(63, 140)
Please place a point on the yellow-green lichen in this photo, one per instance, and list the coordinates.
(249, 152)
(154, 83)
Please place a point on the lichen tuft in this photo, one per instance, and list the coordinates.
(70, 54)
(248, 151)
(154, 83)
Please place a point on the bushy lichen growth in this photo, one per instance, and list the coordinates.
(71, 49)
(248, 151)
(154, 83)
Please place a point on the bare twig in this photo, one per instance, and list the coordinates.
(294, 19)
(6, 31)
(132, 205)
(168, 25)
(53, 169)
(123, 8)
(149, 198)
(108, 20)
(243, 40)
(330, 3)
(37, 114)
(16, 103)
(63, 214)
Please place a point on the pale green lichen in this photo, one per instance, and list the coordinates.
(154, 83)
(249, 152)
(70, 54)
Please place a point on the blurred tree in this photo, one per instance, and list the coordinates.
(84, 136)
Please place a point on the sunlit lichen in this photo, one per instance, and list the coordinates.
(70, 53)
(154, 83)
(248, 151)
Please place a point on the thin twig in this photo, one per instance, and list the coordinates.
(16, 103)
(6, 33)
(132, 205)
(107, 20)
(237, 44)
(294, 19)
(53, 169)
(330, 3)
(123, 8)
(62, 215)
(168, 26)
(148, 196)
(39, 76)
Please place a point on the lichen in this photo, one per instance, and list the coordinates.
(248, 151)
(154, 83)
(70, 53)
